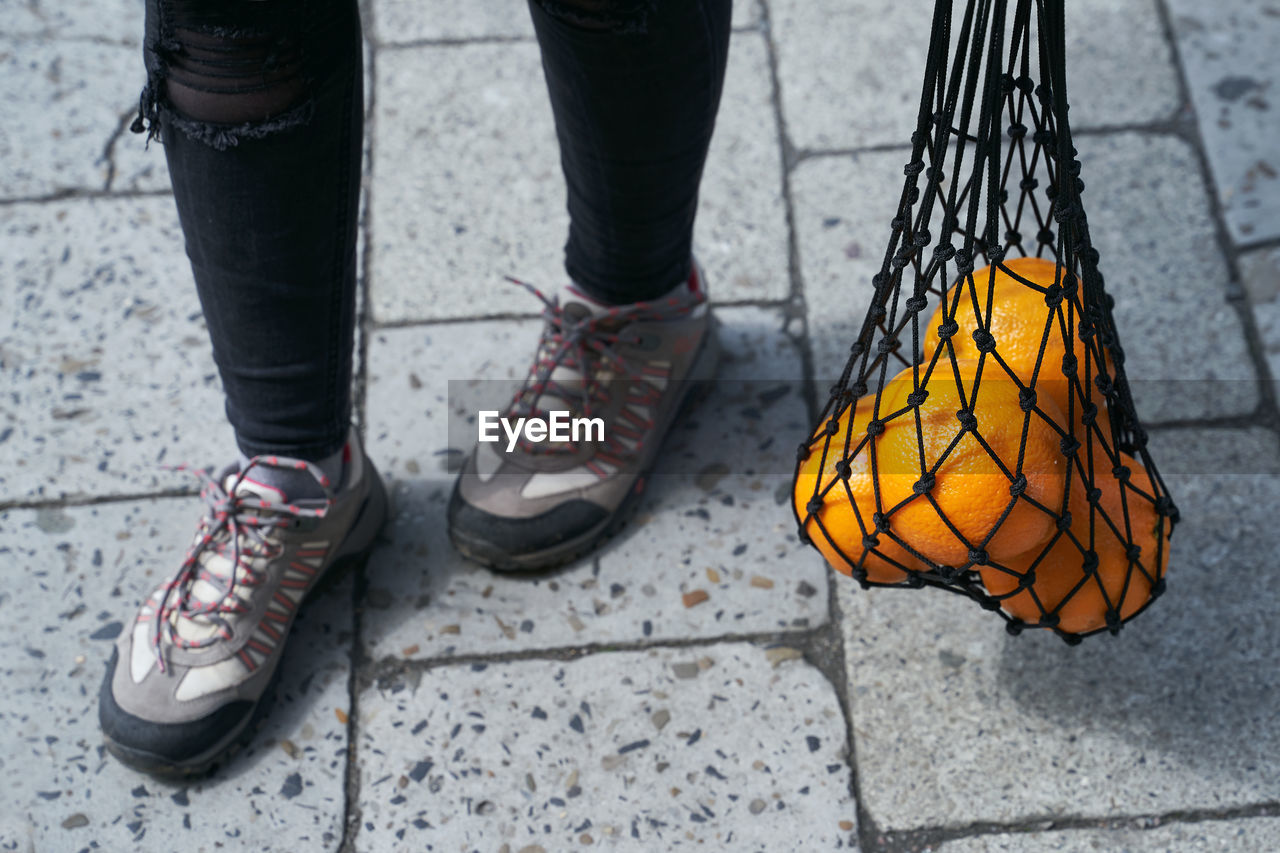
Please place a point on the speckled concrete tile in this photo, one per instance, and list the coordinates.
(1228, 55)
(401, 21)
(108, 372)
(467, 185)
(1149, 218)
(714, 748)
(842, 87)
(76, 100)
(406, 21)
(1249, 834)
(1261, 273)
(741, 233)
(117, 21)
(708, 522)
(957, 723)
(85, 569)
(137, 166)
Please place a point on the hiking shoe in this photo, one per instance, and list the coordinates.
(543, 503)
(188, 676)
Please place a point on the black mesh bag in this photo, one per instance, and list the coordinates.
(982, 438)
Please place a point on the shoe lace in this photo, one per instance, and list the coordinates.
(581, 347)
(236, 527)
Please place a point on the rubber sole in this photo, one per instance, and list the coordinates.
(486, 554)
(373, 516)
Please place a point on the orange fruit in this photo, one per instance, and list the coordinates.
(1019, 315)
(969, 487)
(1061, 570)
(837, 521)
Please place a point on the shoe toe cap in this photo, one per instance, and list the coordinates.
(513, 543)
(157, 746)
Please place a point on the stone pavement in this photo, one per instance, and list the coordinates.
(430, 705)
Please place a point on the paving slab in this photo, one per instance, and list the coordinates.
(76, 100)
(108, 371)
(711, 747)
(117, 21)
(850, 72)
(84, 571)
(137, 166)
(1228, 57)
(1261, 273)
(407, 21)
(1248, 834)
(713, 519)
(957, 723)
(467, 186)
(741, 232)
(1149, 218)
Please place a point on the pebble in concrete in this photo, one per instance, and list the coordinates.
(84, 571)
(615, 749)
(1149, 219)
(1250, 834)
(704, 555)
(467, 186)
(957, 723)
(106, 356)
(1228, 53)
(843, 89)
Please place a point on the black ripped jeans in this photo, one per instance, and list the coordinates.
(259, 106)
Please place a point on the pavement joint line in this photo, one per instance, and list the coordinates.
(926, 838)
(1253, 339)
(351, 810)
(379, 671)
(73, 501)
(1176, 126)
(464, 41)
(824, 648)
(1180, 123)
(1255, 245)
(48, 37)
(1268, 408)
(77, 194)
(795, 304)
(456, 41)
(801, 155)
(413, 323)
(460, 41)
(109, 150)
(1258, 418)
(834, 666)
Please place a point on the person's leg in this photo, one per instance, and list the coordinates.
(258, 105)
(635, 86)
